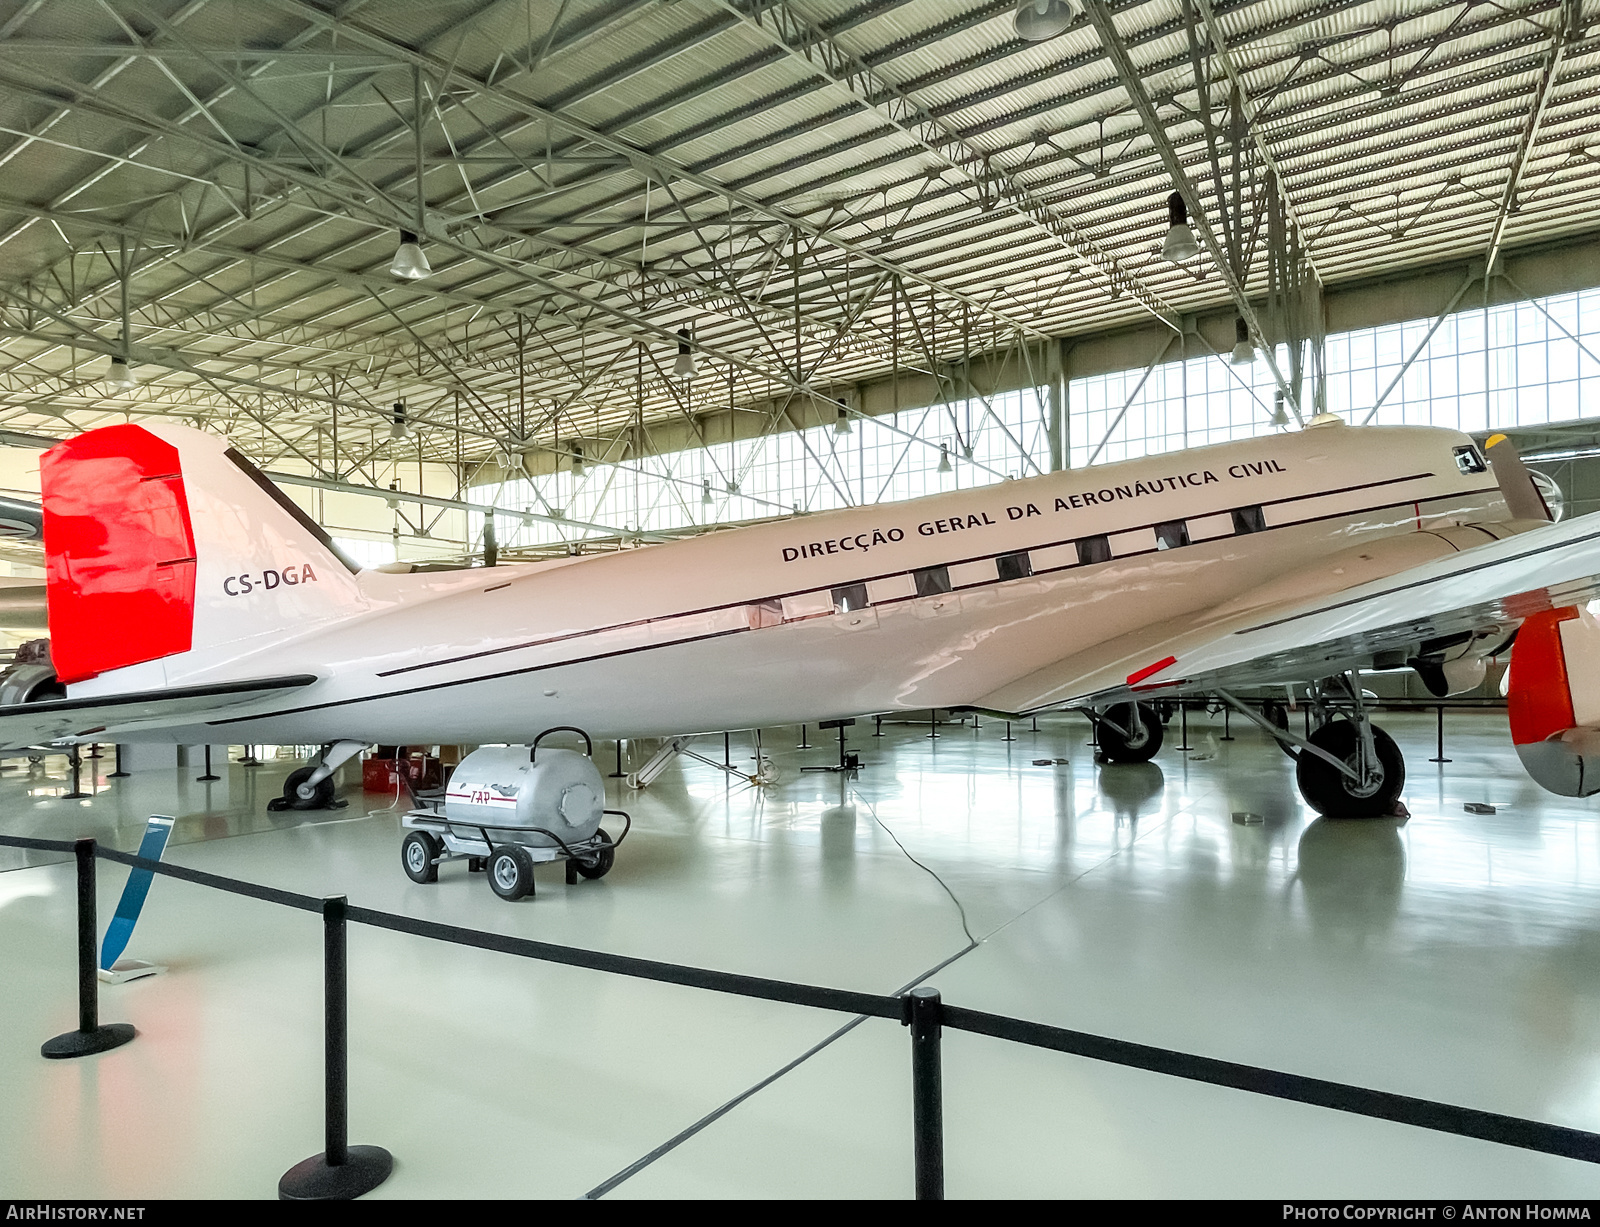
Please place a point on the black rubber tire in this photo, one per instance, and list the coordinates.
(419, 852)
(1326, 789)
(510, 870)
(322, 795)
(603, 860)
(1117, 748)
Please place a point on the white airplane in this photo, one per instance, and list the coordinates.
(191, 602)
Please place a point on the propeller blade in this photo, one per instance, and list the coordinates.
(1523, 499)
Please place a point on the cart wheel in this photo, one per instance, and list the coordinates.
(603, 858)
(511, 872)
(418, 853)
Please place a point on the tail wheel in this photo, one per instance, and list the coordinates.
(511, 872)
(1137, 745)
(298, 793)
(603, 859)
(419, 854)
(1334, 794)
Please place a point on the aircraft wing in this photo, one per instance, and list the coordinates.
(81, 719)
(1476, 591)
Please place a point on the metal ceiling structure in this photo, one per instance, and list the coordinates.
(818, 191)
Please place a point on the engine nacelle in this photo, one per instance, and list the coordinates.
(31, 678)
(498, 787)
(1553, 696)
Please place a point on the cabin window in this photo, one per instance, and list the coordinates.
(849, 598)
(1469, 460)
(765, 613)
(1248, 520)
(1092, 550)
(931, 581)
(1014, 566)
(1172, 534)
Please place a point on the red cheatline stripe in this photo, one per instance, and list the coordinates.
(1135, 678)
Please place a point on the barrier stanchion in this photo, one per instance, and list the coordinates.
(119, 773)
(76, 761)
(1440, 758)
(1183, 724)
(924, 1015)
(341, 1172)
(90, 1035)
(210, 776)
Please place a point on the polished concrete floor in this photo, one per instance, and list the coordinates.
(1450, 956)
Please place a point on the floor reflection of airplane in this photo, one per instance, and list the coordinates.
(190, 601)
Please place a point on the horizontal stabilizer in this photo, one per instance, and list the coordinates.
(86, 719)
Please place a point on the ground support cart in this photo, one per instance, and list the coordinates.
(507, 857)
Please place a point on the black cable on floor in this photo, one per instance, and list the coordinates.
(970, 939)
(710, 1118)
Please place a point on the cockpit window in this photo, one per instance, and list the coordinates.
(1470, 460)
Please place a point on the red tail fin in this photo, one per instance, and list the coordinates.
(119, 551)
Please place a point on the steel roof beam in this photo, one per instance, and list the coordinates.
(1133, 83)
(640, 158)
(1568, 29)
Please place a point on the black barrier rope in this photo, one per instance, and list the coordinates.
(875, 1005)
(1382, 1105)
(268, 894)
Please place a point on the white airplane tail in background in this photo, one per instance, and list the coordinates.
(163, 544)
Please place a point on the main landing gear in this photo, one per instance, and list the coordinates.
(1348, 767)
(1129, 732)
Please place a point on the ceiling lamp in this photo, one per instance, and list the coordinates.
(398, 429)
(1243, 353)
(705, 493)
(683, 366)
(409, 263)
(577, 460)
(841, 424)
(1179, 245)
(393, 503)
(1037, 20)
(1281, 418)
(119, 376)
(944, 457)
